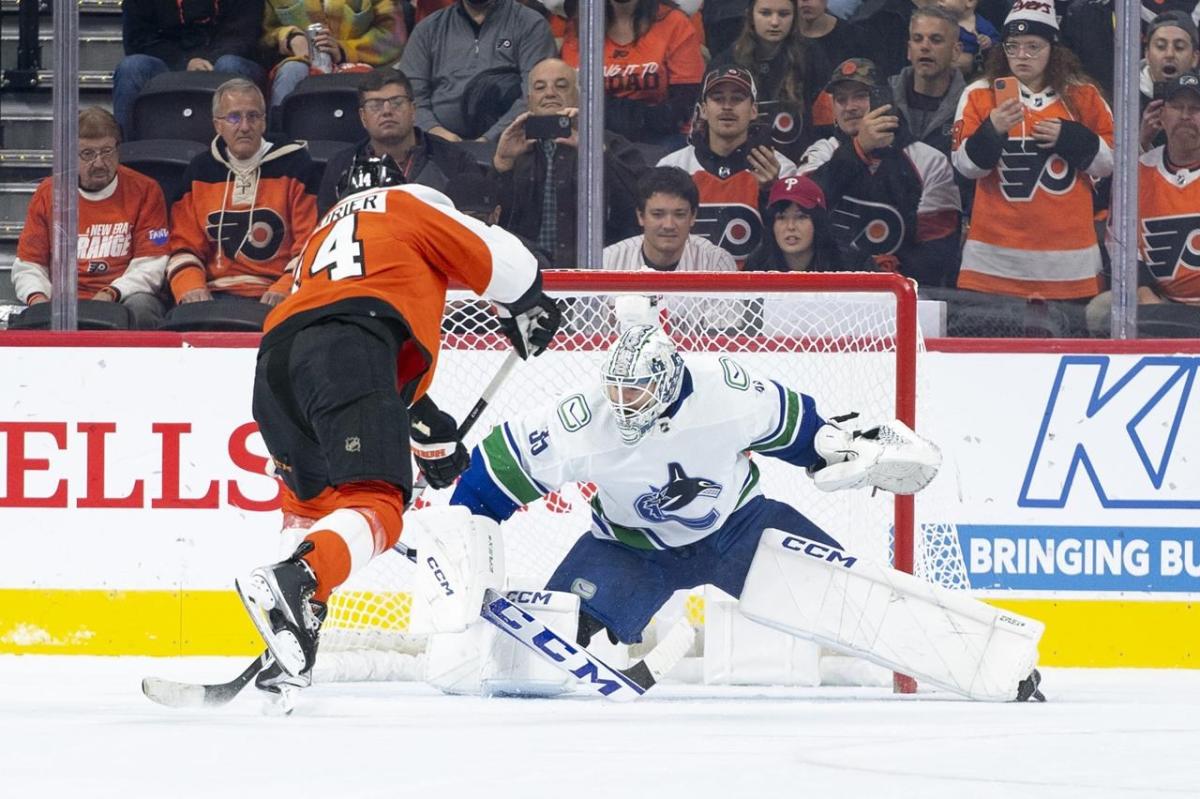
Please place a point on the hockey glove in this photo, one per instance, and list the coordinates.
(439, 452)
(532, 329)
(890, 456)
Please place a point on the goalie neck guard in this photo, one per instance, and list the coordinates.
(641, 376)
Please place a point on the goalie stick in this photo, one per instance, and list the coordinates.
(182, 694)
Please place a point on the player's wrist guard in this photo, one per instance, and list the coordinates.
(439, 452)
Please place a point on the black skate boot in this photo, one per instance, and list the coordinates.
(279, 688)
(277, 599)
(1028, 688)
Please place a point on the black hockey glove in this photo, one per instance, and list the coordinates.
(530, 325)
(439, 452)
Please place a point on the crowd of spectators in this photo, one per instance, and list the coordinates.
(967, 144)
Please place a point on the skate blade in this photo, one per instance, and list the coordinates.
(258, 600)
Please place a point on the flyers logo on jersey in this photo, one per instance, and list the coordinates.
(873, 228)
(1022, 173)
(1171, 242)
(234, 232)
(735, 228)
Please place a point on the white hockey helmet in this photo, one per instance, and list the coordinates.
(641, 376)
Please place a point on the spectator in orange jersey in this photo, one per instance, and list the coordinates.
(122, 250)
(772, 49)
(652, 69)
(1035, 157)
(341, 381)
(248, 205)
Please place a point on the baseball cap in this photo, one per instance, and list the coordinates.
(1175, 19)
(859, 70)
(799, 190)
(473, 192)
(1184, 81)
(733, 76)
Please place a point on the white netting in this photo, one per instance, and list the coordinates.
(841, 348)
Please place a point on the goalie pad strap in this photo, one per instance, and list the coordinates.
(945, 638)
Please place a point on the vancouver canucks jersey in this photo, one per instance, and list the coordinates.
(680, 483)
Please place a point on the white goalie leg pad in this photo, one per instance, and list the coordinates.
(459, 555)
(510, 669)
(867, 609)
(737, 651)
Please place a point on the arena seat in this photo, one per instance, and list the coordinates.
(217, 315)
(177, 105)
(162, 159)
(324, 107)
(92, 315)
(1168, 320)
(321, 150)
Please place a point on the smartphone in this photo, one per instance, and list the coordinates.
(1006, 89)
(555, 126)
(881, 96)
(1160, 90)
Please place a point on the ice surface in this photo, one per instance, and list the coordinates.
(78, 726)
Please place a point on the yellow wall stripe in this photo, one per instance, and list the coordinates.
(1108, 633)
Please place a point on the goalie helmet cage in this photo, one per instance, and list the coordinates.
(850, 340)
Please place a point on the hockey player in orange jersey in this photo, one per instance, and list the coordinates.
(342, 372)
(1035, 156)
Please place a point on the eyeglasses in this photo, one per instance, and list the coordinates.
(395, 103)
(1030, 49)
(236, 118)
(87, 156)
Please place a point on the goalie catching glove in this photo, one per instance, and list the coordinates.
(890, 456)
(531, 322)
(438, 450)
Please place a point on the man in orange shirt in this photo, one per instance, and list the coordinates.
(122, 249)
(342, 372)
(247, 207)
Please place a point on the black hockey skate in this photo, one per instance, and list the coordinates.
(280, 688)
(277, 599)
(1027, 689)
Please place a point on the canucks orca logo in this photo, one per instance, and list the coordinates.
(1022, 173)
(660, 504)
(258, 236)
(873, 228)
(1171, 242)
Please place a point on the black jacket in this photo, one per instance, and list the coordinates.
(889, 197)
(179, 30)
(432, 163)
(521, 196)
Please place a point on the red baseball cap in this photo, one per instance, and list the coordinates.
(799, 190)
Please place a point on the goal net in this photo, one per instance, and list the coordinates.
(849, 340)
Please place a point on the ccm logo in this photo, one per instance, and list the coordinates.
(529, 597)
(818, 550)
(439, 575)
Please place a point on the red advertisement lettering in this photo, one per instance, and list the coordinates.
(95, 496)
(18, 465)
(244, 459)
(171, 434)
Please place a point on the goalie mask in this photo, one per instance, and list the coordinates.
(641, 377)
(369, 172)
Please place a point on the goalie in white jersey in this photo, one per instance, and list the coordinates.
(678, 505)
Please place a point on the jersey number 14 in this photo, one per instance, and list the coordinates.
(340, 251)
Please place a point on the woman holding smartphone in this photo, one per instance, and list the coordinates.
(1035, 133)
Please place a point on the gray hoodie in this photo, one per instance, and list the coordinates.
(938, 129)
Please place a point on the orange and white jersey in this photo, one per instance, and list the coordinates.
(392, 252)
(1032, 230)
(1169, 225)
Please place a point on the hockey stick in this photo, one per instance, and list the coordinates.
(190, 695)
(619, 685)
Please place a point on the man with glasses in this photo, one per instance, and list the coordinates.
(386, 109)
(248, 205)
(122, 250)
